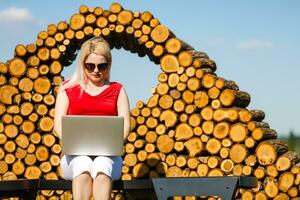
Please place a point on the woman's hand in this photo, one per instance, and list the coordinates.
(61, 154)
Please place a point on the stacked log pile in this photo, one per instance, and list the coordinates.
(194, 124)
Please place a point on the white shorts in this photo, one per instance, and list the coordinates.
(73, 166)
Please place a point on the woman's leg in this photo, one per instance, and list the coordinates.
(102, 186)
(82, 184)
(102, 174)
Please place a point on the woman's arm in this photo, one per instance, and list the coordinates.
(124, 110)
(61, 108)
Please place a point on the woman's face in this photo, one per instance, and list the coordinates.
(96, 68)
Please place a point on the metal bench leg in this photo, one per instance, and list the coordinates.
(29, 194)
(221, 187)
(23, 194)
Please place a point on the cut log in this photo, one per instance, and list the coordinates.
(201, 99)
(250, 142)
(215, 172)
(207, 113)
(213, 146)
(238, 132)
(173, 45)
(26, 108)
(286, 181)
(194, 146)
(181, 161)
(259, 173)
(194, 120)
(272, 171)
(257, 115)
(173, 80)
(9, 158)
(32, 172)
(287, 160)
(263, 134)
(202, 169)
(130, 159)
(152, 159)
(161, 129)
(46, 124)
(141, 156)
(268, 151)
(208, 127)
(225, 84)
(169, 63)
(35, 138)
(292, 192)
(17, 67)
(237, 170)
(42, 85)
(221, 130)
(224, 152)
(54, 160)
(247, 170)
(22, 141)
(169, 117)
(11, 130)
(10, 146)
(238, 153)
(140, 170)
(160, 34)
(140, 143)
(230, 97)
(3, 167)
(271, 187)
(43, 54)
(162, 89)
(165, 144)
(208, 80)
(173, 171)
(213, 162)
(227, 165)
(77, 21)
(6, 93)
(42, 153)
(251, 160)
(48, 140)
(18, 167)
(253, 124)
(183, 132)
(20, 153)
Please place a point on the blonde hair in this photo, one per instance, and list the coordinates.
(96, 45)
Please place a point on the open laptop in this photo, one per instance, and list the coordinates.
(92, 135)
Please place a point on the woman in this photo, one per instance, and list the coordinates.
(89, 92)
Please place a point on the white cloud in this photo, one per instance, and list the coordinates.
(255, 44)
(14, 14)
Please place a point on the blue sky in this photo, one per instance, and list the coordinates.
(255, 43)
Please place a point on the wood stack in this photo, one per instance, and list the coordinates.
(194, 124)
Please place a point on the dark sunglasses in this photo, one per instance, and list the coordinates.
(91, 66)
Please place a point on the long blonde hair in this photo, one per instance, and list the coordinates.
(97, 45)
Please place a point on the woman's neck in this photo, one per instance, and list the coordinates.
(91, 84)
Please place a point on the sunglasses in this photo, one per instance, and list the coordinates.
(91, 66)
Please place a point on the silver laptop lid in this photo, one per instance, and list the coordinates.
(92, 135)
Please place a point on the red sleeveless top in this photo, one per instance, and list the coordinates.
(104, 103)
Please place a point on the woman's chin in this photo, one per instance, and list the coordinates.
(96, 79)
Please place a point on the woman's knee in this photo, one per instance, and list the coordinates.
(100, 176)
(83, 177)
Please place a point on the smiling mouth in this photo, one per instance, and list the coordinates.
(97, 75)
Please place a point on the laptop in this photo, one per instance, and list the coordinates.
(92, 135)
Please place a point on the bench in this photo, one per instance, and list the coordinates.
(155, 188)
